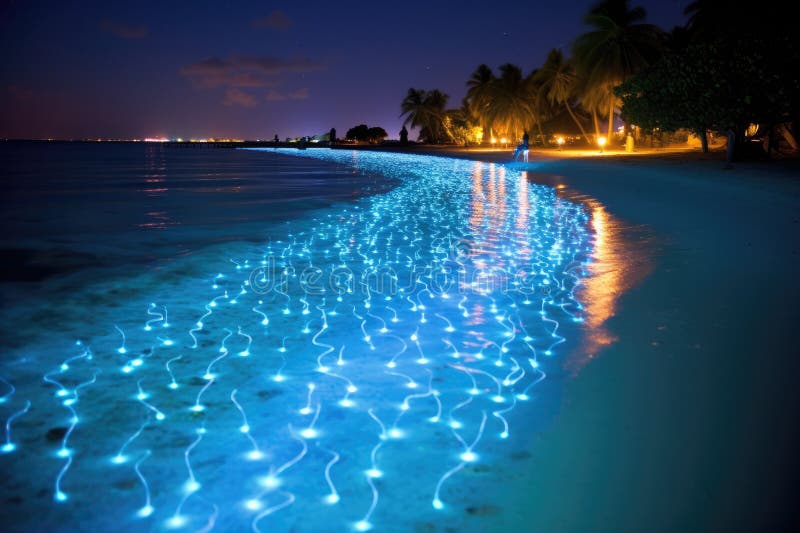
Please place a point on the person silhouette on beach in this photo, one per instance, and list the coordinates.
(404, 135)
(523, 148)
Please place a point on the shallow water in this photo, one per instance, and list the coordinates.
(365, 363)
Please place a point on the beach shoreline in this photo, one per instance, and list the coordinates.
(694, 394)
(690, 390)
(725, 251)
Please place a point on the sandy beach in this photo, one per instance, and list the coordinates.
(682, 412)
(703, 366)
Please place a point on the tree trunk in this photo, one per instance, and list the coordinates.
(583, 131)
(704, 140)
(541, 133)
(769, 140)
(730, 148)
(788, 137)
(610, 122)
(596, 125)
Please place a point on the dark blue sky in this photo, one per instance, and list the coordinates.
(251, 70)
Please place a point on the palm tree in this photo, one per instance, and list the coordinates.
(556, 82)
(435, 101)
(540, 107)
(595, 101)
(510, 109)
(617, 47)
(425, 110)
(479, 96)
(459, 124)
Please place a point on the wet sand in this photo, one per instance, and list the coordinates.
(683, 416)
(687, 421)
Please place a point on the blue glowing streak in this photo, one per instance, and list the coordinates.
(333, 497)
(120, 457)
(4, 398)
(9, 446)
(437, 502)
(256, 453)
(191, 486)
(147, 509)
(122, 349)
(172, 383)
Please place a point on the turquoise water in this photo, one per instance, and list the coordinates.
(307, 340)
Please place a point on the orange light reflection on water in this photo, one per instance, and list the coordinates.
(617, 265)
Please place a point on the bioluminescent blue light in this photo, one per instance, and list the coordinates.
(377, 351)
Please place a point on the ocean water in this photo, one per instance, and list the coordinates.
(313, 340)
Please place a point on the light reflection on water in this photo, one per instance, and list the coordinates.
(620, 260)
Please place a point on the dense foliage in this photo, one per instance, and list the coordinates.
(730, 67)
(364, 134)
(425, 110)
(717, 85)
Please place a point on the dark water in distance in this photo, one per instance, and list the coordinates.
(77, 205)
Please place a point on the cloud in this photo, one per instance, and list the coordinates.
(123, 31)
(278, 96)
(246, 71)
(277, 20)
(236, 96)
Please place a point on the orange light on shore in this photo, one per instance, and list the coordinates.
(601, 141)
(560, 142)
(494, 141)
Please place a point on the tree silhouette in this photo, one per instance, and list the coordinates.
(425, 110)
(511, 105)
(556, 83)
(617, 46)
(479, 96)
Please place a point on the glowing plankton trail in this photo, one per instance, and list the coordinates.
(224, 353)
(122, 349)
(333, 497)
(197, 407)
(246, 351)
(150, 311)
(4, 398)
(309, 432)
(142, 396)
(172, 383)
(191, 486)
(147, 509)
(120, 457)
(465, 457)
(499, 415)
(364, 524)
(9, 446)
(255, 453)
(288, 500)
(272, 481)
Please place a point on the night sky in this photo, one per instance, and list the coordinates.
(251, 70)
